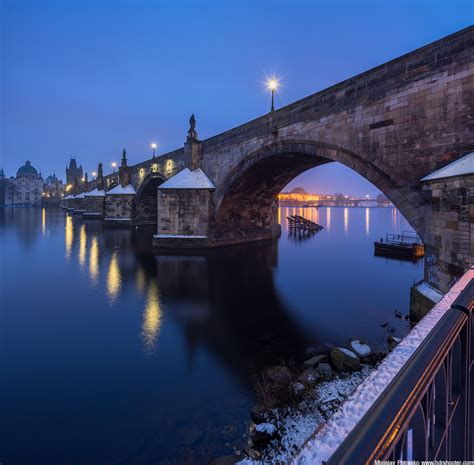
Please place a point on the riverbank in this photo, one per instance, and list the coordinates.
(295, 402)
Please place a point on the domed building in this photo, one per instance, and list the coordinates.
(53, 188)
(26, 189)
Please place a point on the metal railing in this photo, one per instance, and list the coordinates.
(427, 412)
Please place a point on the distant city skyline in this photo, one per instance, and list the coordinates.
(88, 79)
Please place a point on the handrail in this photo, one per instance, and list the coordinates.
(382, 432)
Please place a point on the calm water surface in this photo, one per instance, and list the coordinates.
(112, 355)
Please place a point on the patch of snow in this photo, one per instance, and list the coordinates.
(79, 196)
(360, 348)
(95, 193)
(330, 436)
(296, 425)
(433, 294)
(266, 428)
(347, 352)
(177, 236)
(187, 179)
(464, 165)
(119, 190)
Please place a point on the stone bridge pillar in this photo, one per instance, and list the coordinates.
(185, 202)
(449, 222)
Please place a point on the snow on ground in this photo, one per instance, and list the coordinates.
(361, 348)
(433, 294)
(311, 434)
(296, 425)
(328, 438)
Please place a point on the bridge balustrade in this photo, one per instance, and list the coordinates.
(427, 411)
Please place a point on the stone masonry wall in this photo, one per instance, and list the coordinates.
(450, 236)
(184, 211)
(119, 207)
(94, 206)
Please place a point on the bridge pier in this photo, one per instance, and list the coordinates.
(449, 222)
(184, 211)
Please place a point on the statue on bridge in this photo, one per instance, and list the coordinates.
(192, 134)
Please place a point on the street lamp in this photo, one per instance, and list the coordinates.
(272, 85)
(114, 165)
(153, 146)
(94, 174)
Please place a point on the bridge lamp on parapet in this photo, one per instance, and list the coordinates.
(114, 165)
(153, 146)
(94, 174)
(272, 86)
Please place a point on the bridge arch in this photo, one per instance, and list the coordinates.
(146, 211)
(245, 203)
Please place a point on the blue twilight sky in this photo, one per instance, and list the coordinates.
(87, 78)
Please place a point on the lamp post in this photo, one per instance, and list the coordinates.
(114, 165)
(153, 146)
(272, 85)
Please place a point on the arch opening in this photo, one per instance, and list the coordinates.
(246, 206)
(146, 210)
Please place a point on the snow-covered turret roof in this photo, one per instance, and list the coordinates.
(67, 197)
(119, 190)
(187, 179)
(79, 196)
(464, 165)
(95, 193)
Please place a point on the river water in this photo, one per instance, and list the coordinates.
(110, 354)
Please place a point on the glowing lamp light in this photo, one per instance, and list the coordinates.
(153, 146)
(114, 165)
(94, 173)
(272, 85)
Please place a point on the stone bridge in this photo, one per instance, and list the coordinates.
(393, 124)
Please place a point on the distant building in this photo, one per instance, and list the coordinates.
(53, 188)
(74, 175)
(26, 189)
(298, 190)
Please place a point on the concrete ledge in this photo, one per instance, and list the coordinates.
(118, 222)
(93, 216)
(177, 241)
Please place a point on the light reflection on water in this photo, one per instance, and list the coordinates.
(82, 245)
(367, 222)
(175, 359)
(151, 317)
(94, 260)
(68, 236)
(114, 278)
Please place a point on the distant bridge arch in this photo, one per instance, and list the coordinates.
(146, 198)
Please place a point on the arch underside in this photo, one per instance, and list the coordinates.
(246, 205)
(146, 211)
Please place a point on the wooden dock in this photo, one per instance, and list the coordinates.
(300, 224)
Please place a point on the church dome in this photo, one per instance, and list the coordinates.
(52, 179)
(27, 168)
